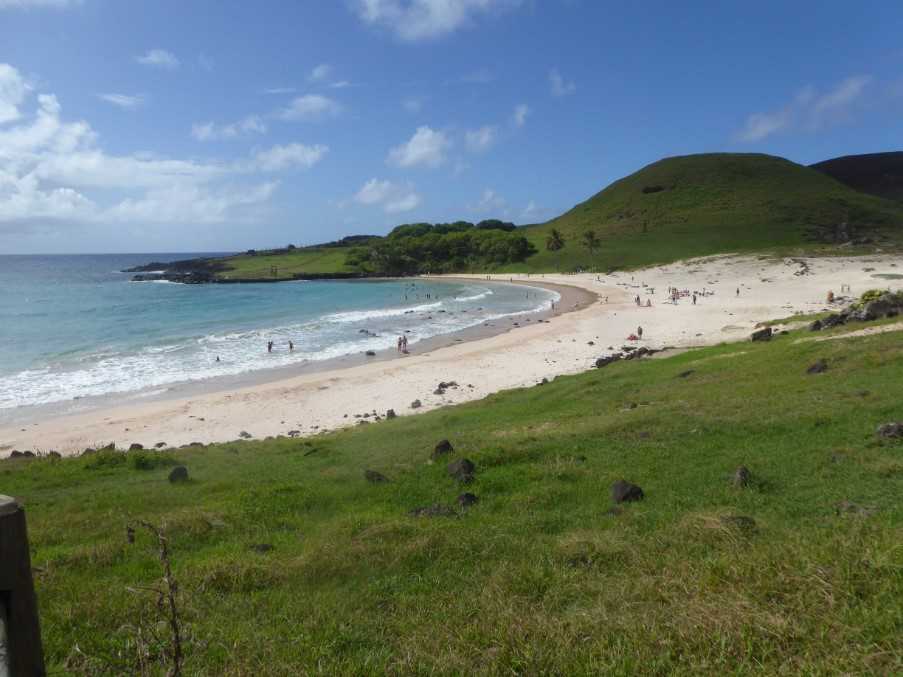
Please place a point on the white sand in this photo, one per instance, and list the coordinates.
(312, 403)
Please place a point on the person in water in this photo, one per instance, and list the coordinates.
(269, 346)
(291, 347)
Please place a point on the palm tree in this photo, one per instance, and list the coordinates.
(555, 243)
(591, 241)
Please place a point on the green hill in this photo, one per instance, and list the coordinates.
(289, 562)
(706, 204)
(878, 174)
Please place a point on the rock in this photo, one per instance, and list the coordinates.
(623, 491)
(28, 454)
(890, 430)
(742, 477)
(15, 453)
(834, 320)
(439, 391)
(590, 343)
(196, 444)
(543, 382)
(134, 446)
(390, 413)
(435, 510)
(178, 474)
(606, 360)
(763, 334)
(441, 449)
(370, 353)
(245, 435)
(415, 404)
(374, 477)
(262, 547)
(819, 367)
(89, 451)
(467, 499)
(159, 445)
(110, 447)
(462, 470)
(817, 325)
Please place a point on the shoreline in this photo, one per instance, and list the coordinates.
(304, 404)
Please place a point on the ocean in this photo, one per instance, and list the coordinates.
(74, 327)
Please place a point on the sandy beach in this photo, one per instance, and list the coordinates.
(521, 355)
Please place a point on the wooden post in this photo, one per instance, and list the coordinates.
(24, 655)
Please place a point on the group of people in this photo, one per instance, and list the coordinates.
(638, 301)
(270, 344)
(402, 346)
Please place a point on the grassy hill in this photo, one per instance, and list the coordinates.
(289, 562)
(308, 260)
(707, 204)
(878, 174)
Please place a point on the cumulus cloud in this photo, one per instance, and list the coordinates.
(559, 86)
(310, 107)
(393, 197)
(210, 131)
(426, 148)
(158, 58)
(12, 93)
(519, 117)
(53, 171)
(424, 19)
(480, 140)
(124, 101)
(809, 110)
(320, 73)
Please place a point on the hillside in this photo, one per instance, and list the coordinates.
(878, 174)
(706, 204)
(309, 568)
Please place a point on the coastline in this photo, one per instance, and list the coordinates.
(565, 342)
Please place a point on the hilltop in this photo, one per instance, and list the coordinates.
(878, 174)
(695, 205)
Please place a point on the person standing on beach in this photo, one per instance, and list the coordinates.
(694, 298)
(639, 332)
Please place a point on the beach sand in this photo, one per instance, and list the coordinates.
(566, 343)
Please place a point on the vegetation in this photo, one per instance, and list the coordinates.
(285, 264)
(879, 174)
(555, 243)
(288, 561)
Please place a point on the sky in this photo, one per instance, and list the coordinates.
(218, 125)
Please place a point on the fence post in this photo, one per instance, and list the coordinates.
(23, 655)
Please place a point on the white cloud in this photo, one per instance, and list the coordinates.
(124, 101)
(480, 140)
(490, 202)
(809, 110)
(28, 4)
(339, 84)
(310, 107)
(559, 86)
(279, 90)
(320, 73)
(291, 155)
(393, 197)
(12, 93)
(52, 171)
(427, 147)
(423, 19)
(158, 58)
(519, 117)
(210, 131)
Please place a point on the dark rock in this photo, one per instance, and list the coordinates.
(742, 477)
(134, 446)
(763, 334)
(178, 474)
(28, 454)
(370, 353)
(375, 477)
(834, 320)
(390, 413)
(89, 451)
(819, 367)
(110, 447)
(435, 510)
(15, 453)
(817, 325)
(890, 430)
(623, 491)
(466, 500)
(415, 404)
(441, 449)
(245, 435)
(159, 445)
(439, 391)
(606, 360)
(262, 547)
(196, 444)
(462, 470)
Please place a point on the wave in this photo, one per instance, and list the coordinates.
(476, 297)
(361, 315)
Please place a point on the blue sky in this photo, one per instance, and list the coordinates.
(217, 125)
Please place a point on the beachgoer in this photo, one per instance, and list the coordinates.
(738, 291)
(639, 332)
(269, 346)
(648, 303)
(694, 298)
(399, 343)
(217, 358)
(291, 347)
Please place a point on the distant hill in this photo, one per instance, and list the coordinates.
(696, 205)
(878, 174)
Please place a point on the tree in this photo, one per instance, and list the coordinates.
(591, 241)
(555, 243)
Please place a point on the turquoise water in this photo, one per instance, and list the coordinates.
(74, 326)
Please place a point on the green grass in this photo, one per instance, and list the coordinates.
(306, 260)
(538, 577)
(878, 174)
(711, 204)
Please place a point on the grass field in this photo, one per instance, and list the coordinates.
(800, 572)
(307, 260)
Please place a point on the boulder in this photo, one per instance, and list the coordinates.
(462, 470)
(390, 413)
(134, 446)
(15, 453)
(891, 430)
(159, 445)
(742, 477)
(817, 325)
(370, 353)
(441, 449)
(374, 477)
(763, 334)
(623, 491)
(818, 367)
(439, 391)
(415, 404)
(28, 454)
(467, 499)
(245, 435)
(605, 360)
(178, 474)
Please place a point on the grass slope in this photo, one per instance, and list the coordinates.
(304, 260)
(708, 204)
(538, 577)
(878, 174)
